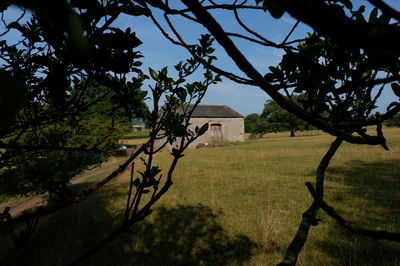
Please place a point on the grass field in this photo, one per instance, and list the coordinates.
(239, 205)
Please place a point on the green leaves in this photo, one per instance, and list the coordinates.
(203, 129)
(12, 96)
(77, 41)
(153, 74)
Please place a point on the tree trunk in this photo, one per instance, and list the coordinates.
(292, 133)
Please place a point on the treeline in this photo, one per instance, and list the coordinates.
(394, 121)
(275, 119)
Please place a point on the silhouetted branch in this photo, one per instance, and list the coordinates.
(355, 229)
(56, 206)
(386, 9)
(241, 61)
(332, 21)
(220, 71)
(309, 216)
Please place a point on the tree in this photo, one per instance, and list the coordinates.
(279, 119)
(342, 67)
(394, 121)
(41, 170)
(250, 122)
(255, 125)
(63, 73)
(261, 128)
(71, 79)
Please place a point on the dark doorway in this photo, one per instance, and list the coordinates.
(216, 132)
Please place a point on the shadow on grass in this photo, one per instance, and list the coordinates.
(181, 235)
(376, 185)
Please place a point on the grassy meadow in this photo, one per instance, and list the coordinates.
(238, 205)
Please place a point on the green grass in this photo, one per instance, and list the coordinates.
(136, 135)
(4, 198)
(239, 205)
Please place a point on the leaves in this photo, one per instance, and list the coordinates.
(274, 7)
(153, 74)
(155, 3)
(12, 96)
(396, 89)
(119, 40)
(347, 4)
(373, 17)
(136, 182)
(135, 10)
(203, 129)
(78, 42)
(391, 105)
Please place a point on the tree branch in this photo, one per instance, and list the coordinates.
(309, 216)
(56, 206)
(355, 229)
(331, 21)
(215, 29)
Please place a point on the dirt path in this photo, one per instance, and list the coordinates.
(18, 205)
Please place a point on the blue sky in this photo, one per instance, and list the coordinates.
(159, 52)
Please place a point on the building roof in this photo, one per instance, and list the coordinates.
(213, 111)
(138, 121)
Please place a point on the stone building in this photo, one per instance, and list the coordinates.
(138, 125)
(224, 124)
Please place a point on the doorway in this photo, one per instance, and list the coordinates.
(216, 132)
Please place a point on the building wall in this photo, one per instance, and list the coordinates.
(232, 130)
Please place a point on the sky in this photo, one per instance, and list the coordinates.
(158, 52)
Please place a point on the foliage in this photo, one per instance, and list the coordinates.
(249, 122)
(342, 67)
(255, 125)
(79, 85)
(73, 98)
(394, 121)
(278, 119)
(51, 170)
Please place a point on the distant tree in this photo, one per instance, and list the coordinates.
(261, 128)
(250, 122)
(279, 119)
(394, 121)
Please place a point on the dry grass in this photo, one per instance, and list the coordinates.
(240, 205)
(133, 141)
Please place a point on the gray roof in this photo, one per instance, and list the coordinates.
(213, 111)
(138, 121)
